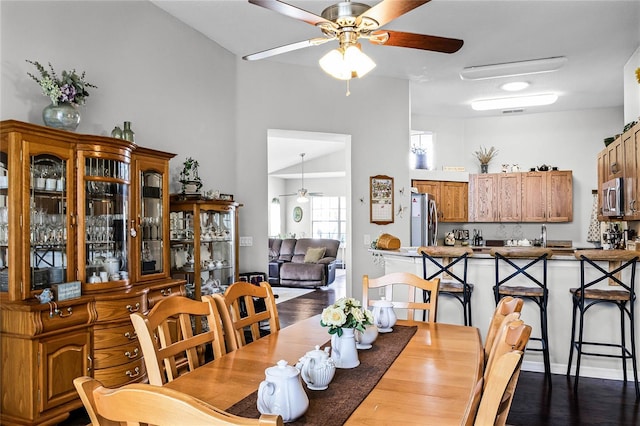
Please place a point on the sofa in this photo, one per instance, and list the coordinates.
(302, 262)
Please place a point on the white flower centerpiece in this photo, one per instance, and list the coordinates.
(342, 318)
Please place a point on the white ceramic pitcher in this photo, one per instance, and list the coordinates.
(282, 393)
(383, 315)
(343, 349)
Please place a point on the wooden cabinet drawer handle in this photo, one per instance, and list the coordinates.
(132, 309)
(132, 355)
(68, 314)
(165, 292)
(134, 373)
(131, 336)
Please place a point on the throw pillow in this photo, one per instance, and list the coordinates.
(314, 254)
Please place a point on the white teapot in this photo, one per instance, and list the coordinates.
(365, 340)
(317, 368)
(384, 316)
(282, 392)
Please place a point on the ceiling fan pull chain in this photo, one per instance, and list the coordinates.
(348, 91)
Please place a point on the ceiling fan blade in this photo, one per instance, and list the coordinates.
(388, 10)
(416, 41)
(290, 11)
(286, 48)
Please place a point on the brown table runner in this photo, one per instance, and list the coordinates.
(348, 388)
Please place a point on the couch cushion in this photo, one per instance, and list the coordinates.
(274, 248)
(300, 251)
(314, 254)
(286, 249)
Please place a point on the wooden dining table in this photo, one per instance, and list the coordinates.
(432, 381)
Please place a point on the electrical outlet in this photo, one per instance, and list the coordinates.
(367, 240)
(381, 292)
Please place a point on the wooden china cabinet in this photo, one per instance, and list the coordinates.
(72, 214)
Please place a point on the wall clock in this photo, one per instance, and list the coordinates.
(297, 214)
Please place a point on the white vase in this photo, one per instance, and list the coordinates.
(343, 349)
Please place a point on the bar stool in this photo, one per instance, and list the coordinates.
(619, 262)
(451, 284)
(537, 293)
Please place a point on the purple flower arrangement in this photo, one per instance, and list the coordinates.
(69, 87)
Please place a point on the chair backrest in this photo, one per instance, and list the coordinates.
(507, 305)
(240, 313)
(499, 388)
(513, 336)
(535, 255)
(166, 336)
(619, 261)
(404, 278)
(137, 404)
(445, 269)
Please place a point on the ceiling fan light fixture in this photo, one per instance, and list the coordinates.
(510, 69)
(345, 64)
(514, 102)
(302, 196)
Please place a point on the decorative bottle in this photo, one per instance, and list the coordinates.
(127, 133)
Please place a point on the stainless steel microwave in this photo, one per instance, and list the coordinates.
(612, 194)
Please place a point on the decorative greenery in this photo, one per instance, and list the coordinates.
(485, 155)
(346, 312)
(70, 87)
(190, 171)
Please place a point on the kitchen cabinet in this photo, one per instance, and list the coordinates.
(71, 209)
(451, 198)
(621, 159)
(521, 197)
(631, 163)
(483, 197)
(510, 197)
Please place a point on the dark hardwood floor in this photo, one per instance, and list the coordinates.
(598, 402)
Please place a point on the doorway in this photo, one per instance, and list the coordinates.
(324, 171)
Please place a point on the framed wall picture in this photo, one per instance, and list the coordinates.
(381, 199)
(297, 214)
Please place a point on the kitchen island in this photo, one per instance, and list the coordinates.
(563, 270)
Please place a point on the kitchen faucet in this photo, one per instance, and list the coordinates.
(544, 235)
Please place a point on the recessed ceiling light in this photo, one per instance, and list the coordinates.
(509, 69)
(515, 86)
(515, 102)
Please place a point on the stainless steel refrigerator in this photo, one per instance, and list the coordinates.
(424, 220)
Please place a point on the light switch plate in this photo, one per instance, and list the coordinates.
(246, 241)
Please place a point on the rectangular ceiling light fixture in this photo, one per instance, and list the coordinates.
(515, 102)
(510, 69)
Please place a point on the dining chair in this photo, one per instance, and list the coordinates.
(166, 337)
(450, 264)
(140, 403)
(507, 306)
(513, 336)
(414, 284)
(239, 315)
(499, 388)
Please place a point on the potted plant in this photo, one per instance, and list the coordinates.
(485, 156)
(343, 318)
(189, 178)
(65, 92)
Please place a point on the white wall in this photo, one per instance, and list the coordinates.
(631, 88)
(176, 86)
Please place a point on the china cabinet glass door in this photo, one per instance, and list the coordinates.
(48, 221)
(4, 217)
(106, 220)
(151, 260)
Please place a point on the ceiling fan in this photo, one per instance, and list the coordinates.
(302, 193)
(348, 22)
